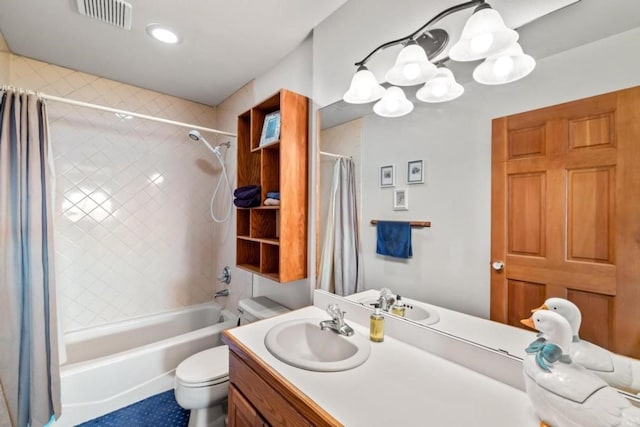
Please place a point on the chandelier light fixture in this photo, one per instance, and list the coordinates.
(484, 36)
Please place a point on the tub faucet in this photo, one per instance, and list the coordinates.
(336, 324)
(386, 299)
(222, 293)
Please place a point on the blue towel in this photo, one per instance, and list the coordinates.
(273, 195)
(248, 192)
(247, 203)
(394, 239)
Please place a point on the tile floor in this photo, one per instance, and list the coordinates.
(160, 410)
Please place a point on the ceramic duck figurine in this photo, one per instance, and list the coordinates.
(563, 393)
(619, 371)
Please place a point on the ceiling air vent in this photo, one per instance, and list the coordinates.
(114, 12)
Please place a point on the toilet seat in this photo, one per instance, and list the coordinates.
(204, 369)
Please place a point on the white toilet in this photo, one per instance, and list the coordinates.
(202, 380)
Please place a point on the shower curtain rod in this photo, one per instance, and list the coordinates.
(339, 156)
(131, 113)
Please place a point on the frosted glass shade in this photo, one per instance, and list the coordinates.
(394, 103)
(412, 67)
(483, 35)
(364, 88)
(508, 66)
(440, 88)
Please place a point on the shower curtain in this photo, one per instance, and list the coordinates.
(29, 369)
(340, 262)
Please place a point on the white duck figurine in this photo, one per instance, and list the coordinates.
(619, 371)
(563, 393)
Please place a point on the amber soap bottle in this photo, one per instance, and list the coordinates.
(376, 325)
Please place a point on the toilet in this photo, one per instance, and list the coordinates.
(202, 380)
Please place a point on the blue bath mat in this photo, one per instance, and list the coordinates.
(160, 410)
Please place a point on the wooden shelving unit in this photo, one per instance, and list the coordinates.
(272, 240)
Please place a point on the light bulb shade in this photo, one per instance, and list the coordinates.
(393, 104)
(364, 88)
(508, 66)
(440, 88)
(412, 67)
(483, 35)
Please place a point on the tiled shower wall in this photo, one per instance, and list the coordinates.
(133, 234)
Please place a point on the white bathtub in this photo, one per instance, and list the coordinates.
(111, 366)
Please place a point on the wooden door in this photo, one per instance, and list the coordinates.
(566, 215)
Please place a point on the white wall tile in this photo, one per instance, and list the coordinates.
(132, 231)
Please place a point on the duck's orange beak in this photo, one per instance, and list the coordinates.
(542, 307)
(528, 322)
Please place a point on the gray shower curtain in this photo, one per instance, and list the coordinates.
(29, 371)
(340, 263)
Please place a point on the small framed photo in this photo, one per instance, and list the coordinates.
(270, 128)
(387, 176)
(401, 200)
(415, 172)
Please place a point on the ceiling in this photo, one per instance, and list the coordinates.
(225, 43)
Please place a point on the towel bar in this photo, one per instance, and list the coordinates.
(416, 224)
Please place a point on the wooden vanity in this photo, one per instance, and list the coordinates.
(399, 384)
(259, 396)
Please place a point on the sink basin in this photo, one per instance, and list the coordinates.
(413, 311)
(301, 343)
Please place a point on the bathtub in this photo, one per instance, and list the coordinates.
(111, 366)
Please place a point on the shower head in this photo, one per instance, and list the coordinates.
(195, 135)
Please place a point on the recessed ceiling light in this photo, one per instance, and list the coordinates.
(163, 34)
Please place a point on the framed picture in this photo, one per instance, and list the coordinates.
(270, 128)
(415, 172)
(387, 176)
(401, 200)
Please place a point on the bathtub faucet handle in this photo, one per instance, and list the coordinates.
(225, 277)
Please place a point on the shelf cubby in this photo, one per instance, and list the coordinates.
(243, 222)
(269, 235)
(248, 254)
(270, 260)
(263, 223)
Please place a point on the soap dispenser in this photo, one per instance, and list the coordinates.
(376, 325)
(398, 308)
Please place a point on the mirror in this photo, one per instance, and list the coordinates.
(450, 264)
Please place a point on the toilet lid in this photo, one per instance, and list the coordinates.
(206, 366)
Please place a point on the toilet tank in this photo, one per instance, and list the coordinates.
(258, 308)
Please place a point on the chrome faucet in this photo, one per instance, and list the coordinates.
(222, 293)
(336, 324)
(225, 277)
(386, 299)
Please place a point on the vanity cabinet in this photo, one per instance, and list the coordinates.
(271, 241)
(259, 396)
(241, 412)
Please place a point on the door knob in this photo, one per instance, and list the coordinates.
(497, 265)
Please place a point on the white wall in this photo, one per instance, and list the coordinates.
(450, 266)
(294, 73)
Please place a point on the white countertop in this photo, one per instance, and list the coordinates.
(399, 385)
